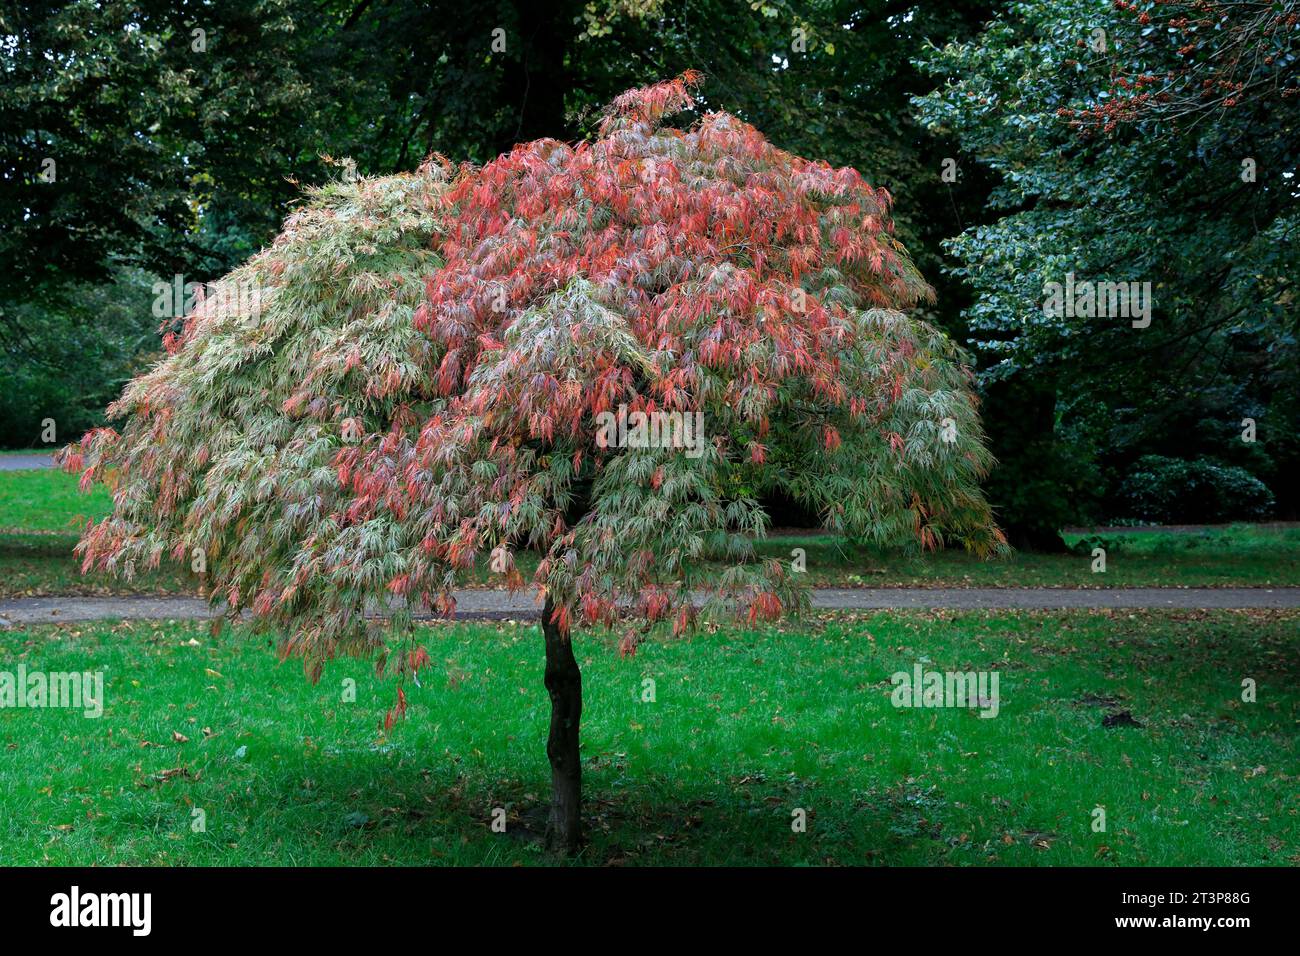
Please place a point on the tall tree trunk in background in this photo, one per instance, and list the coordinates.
(564, 684)
(536, 81)
(1033, 489)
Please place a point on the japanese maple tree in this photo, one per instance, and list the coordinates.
(425, 377)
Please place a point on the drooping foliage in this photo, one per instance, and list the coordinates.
(360, 436)
(221, 450)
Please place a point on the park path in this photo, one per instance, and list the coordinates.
(498, 605)
(24, 461)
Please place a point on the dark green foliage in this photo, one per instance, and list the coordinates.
(1173, 490)
(1156, 198)
(73, 356)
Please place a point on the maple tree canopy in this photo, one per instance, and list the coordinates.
(418, 382)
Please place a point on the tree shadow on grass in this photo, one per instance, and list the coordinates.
(415, 815)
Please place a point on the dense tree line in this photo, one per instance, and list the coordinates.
(1147, 145)
(1021, 142)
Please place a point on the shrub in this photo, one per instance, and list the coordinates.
(1201, 490)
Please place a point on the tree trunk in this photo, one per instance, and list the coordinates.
(536, 76)
(1033, 489)
(564, 684)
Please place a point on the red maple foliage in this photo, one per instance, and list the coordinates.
(657, 270)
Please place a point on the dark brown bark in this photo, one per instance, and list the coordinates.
(536, 74)
(564, 684)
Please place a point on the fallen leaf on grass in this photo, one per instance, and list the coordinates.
(171, 774)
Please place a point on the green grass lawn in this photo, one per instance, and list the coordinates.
(747, 725)
(48, 501)
(1232, 555)
(41, 514)
(41, 510)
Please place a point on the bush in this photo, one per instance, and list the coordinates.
(1201, 490)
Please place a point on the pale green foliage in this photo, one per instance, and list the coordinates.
(229, 443)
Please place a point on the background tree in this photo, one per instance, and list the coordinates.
(178, 132)
(176, 160)
(1149, 143)
(137, 141)
(177, 128)
(424, 375)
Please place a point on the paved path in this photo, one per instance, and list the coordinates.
(33, 460)
(497, 605)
